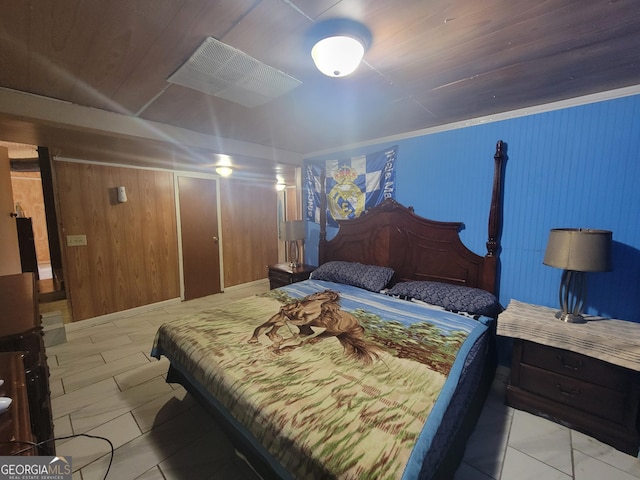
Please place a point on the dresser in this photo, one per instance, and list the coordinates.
(585, 376)
(15, 423)
(21, 331)
(282, 274)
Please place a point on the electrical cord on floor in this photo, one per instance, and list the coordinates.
(33, 445)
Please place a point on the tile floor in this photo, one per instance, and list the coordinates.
(104, 383)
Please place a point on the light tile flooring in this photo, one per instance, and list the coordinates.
(105, 384)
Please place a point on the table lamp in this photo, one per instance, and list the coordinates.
(292, 231)
(577, 251)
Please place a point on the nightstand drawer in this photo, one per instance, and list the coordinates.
(280, 278)
(565, 362)
(588, 397)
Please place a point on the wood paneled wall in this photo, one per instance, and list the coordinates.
(249, 230)
(131, 255)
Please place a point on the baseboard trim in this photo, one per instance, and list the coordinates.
(109, 317)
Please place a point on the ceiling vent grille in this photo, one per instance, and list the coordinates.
(223, 71)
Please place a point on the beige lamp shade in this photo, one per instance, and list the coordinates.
(292, 230)
(579, 249)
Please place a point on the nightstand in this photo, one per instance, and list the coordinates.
(584, 376)
(282, 274)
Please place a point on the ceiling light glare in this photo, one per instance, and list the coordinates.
(224, 171)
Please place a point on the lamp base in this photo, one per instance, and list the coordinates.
(570, 317)
(294, 254)
(572, 296)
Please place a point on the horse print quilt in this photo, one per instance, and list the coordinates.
(332, 380)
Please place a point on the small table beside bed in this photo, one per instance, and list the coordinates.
(339, 376)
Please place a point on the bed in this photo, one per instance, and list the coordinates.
(375, 367)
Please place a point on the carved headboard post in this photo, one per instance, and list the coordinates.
(495, 219)
(322, 241)
(495, 212)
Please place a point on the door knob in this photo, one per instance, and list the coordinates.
(215, 239)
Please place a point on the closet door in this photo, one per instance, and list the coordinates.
(199, 232)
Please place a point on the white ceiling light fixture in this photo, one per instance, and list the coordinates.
(223, 167)
(224, 171)
(338, 46)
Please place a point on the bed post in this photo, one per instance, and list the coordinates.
(495, 213)
(495, 220)
(322, 242)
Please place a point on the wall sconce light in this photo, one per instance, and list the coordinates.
(339, 45)
(576, 251)
(122, 194)
(291, 232)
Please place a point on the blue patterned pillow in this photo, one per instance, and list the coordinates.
(369, 277)
(455, 298)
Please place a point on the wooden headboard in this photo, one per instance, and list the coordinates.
(417, 248)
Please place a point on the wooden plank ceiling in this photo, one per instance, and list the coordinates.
(430, 63)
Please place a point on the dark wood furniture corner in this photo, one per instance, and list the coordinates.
(575, 389)
(15, 423)
(282, 274)
(21, 331)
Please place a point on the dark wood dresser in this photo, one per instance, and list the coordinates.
(21, 331)
(282, 274)
(15, 423)
(597, 396)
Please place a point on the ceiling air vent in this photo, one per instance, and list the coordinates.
(223, 71)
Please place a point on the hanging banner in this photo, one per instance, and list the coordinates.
(353, 185)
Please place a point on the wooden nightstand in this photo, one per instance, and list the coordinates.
(282, 274)
(584, 376)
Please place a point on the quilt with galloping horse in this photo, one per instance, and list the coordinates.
(332, 380)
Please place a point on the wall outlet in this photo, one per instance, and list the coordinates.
(76, 240)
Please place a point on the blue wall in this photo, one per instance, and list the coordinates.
(576, 167)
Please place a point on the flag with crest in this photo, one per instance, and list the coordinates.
(353, 185)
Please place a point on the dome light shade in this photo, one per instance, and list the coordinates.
(337, 56)
(337, 45)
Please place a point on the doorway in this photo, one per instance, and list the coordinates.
(198, 199)
(36, 224)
